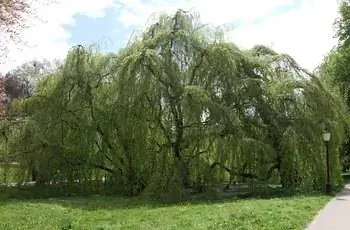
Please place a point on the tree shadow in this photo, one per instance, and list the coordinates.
(105, 202)
(345, 192)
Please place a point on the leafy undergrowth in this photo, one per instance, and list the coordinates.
(118, 213)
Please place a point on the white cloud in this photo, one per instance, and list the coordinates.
(305, 32)
(136, 12)
(47, 38)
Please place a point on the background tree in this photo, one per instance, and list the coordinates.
(335, 70)
(342, 23)
(14, 15)
(19, 83)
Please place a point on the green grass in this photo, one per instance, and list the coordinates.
(121, 214)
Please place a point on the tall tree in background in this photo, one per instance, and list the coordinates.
(18, 83)
(335, 70)
(21, 81)
(343, 24)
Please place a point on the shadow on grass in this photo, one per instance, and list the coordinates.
(37, 195)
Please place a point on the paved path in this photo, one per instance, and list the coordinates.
(335, 215)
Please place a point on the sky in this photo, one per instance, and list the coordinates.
(301, 28)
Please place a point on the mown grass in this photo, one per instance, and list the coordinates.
(121, 214)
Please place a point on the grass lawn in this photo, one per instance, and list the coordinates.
(102, 213)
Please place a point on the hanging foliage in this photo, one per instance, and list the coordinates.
(177, 109)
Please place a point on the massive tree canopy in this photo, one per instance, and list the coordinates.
(178, 107)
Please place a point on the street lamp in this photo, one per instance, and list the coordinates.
(326, 139)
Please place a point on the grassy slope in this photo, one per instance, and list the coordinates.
(117, 213)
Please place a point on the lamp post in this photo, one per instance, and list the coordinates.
(326, 139)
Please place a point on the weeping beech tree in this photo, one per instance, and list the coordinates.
(180, 107)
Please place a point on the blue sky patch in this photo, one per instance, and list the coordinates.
(106, 32)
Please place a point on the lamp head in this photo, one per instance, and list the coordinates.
(326, 135)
